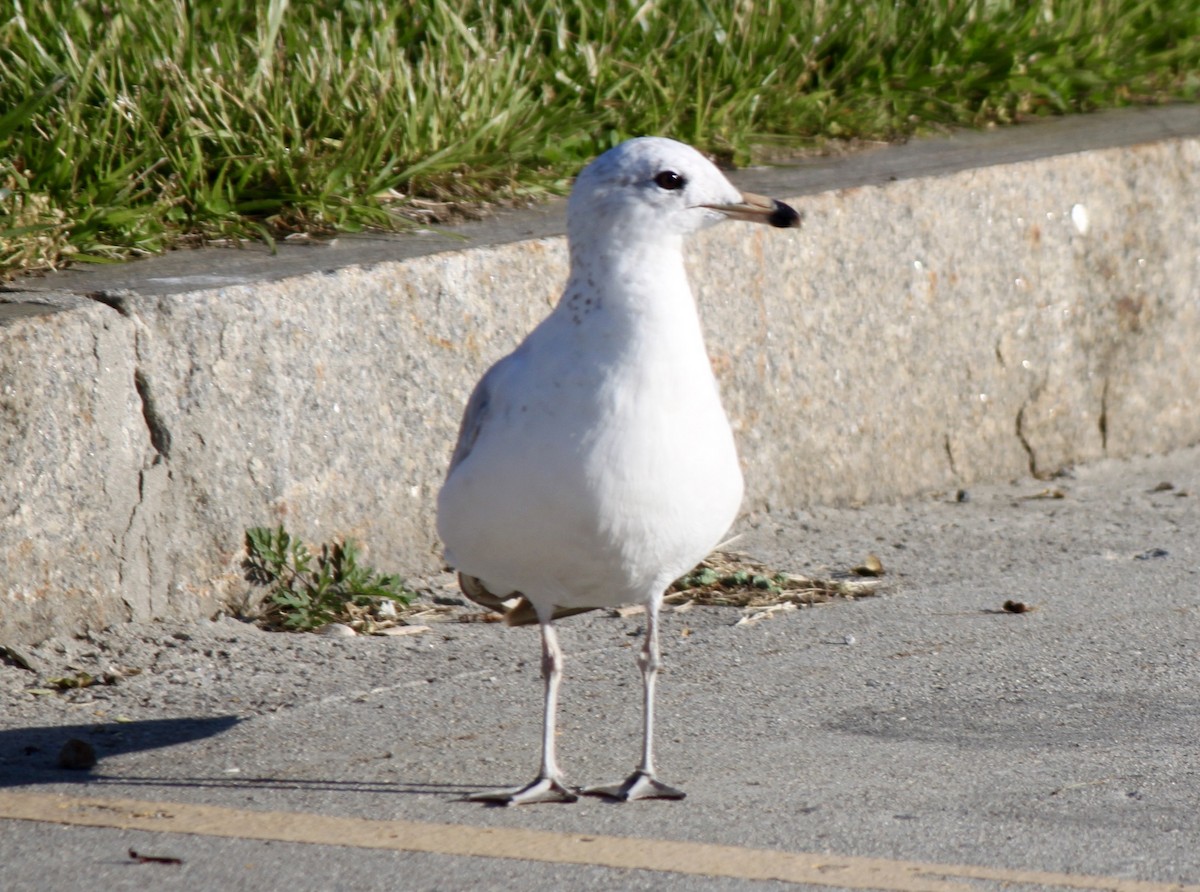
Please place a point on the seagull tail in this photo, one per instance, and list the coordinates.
(522, 613)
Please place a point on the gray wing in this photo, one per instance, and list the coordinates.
(484, 400)
(474, 417)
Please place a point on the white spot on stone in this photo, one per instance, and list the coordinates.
(1079, 216)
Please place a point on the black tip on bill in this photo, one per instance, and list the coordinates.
(784, 216)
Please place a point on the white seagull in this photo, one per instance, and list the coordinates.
(595, 464)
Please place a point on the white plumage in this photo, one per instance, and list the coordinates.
(595, 464)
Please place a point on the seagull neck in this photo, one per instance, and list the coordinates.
(641, 279)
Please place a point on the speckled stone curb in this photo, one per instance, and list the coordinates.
(972, 308)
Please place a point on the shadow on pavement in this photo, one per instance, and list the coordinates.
(34, 755)
(30, 756)
(324, 785)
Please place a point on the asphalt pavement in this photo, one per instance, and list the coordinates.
(923, 738)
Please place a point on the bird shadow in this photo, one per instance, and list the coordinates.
(31, 756)
(280, 784)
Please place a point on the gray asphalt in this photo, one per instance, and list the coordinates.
(925, 724)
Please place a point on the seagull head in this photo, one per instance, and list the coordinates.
(652, 186)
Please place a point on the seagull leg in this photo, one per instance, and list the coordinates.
(642, 784)
(548, 786)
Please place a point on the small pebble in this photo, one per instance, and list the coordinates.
(1151, 553)
(848, 639)
(77, 755)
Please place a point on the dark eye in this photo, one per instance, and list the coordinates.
(670, 180)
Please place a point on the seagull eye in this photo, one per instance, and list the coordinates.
(669, 180)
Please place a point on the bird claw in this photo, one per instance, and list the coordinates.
(544, 789)
(639, 785)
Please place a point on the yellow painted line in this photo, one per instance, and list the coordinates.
(701, 859)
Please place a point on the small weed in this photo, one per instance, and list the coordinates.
(306, 590)
(705, 577)
(726, 579)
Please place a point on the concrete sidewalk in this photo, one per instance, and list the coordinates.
(921, 739)
(955, 310)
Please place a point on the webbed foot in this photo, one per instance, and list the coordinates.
(638, 785)
(544, 789)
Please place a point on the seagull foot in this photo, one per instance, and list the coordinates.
(544, 789)
(638, 785)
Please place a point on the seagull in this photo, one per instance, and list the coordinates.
(595, 464)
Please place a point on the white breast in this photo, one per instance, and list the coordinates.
(607, 466)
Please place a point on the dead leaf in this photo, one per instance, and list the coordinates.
(872, 566)
(761, 613)
(400, 631)
(1049, 493)
(79, 680)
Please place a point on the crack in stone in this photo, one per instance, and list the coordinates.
(1020, 430)
(160, 436)
(138, 546)
(950, 454)
(1103, 423)
(114, 299)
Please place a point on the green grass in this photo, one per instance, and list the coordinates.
(127, 126)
